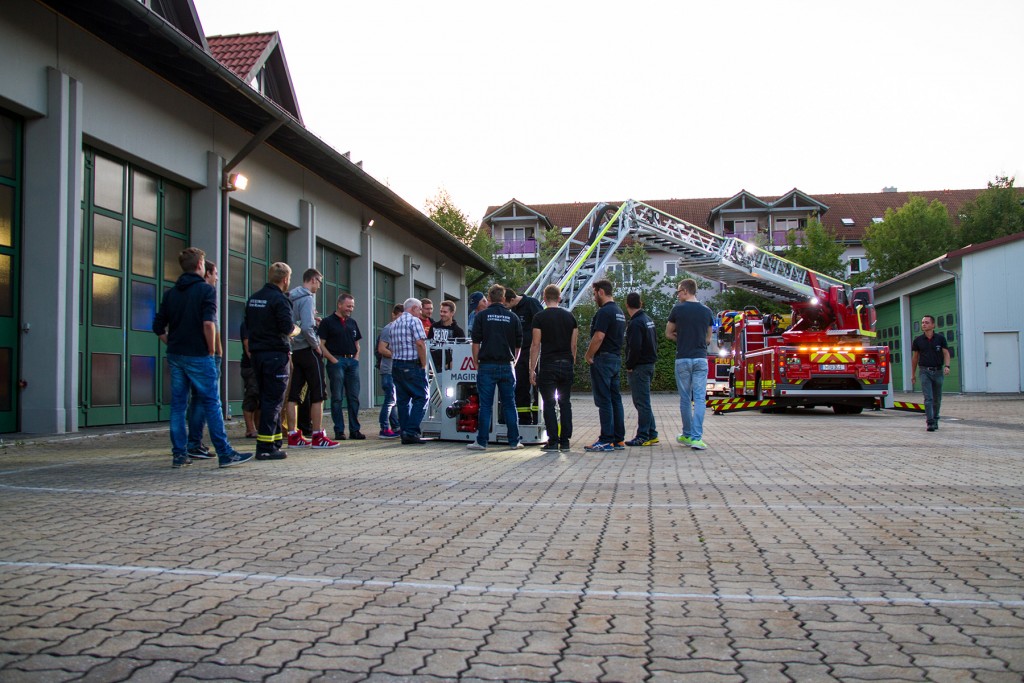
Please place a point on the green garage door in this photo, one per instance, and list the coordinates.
(889, 329)
(940, 302)
(10, 234)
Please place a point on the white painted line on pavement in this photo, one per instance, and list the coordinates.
(525, 591)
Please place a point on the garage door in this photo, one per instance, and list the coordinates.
(940, 302)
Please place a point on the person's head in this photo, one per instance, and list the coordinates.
(346, 304)
(496, 294)
(687, 289)
(634, 302)
(396, 311)
(280, 274)
(477, 301)
(412, 306)
(211, 273)
(510, 297)
(312, 279)
(428, 307)
(552, 295)
(928, 323)
(447, 311)
(602, 291)
(192, 260)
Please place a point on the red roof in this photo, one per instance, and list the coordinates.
(241, 52)
(862, 208)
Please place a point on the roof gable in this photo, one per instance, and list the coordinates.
(515, 209)
(741, 201)
(181, 14)
(258, 59)
(796, 200)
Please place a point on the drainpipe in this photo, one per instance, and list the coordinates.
(959, 320)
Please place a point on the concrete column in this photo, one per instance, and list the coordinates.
(51, 250)
(405, 283)
(302, 244)
(205, 225)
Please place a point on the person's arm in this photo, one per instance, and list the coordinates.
(245, 345)
(595, 344)
(945, 360)
(634, 343)
(307, 322)
(913, 367)
(210, 333)
(534, 356)
(421, 351)
(707, 338)
(575, 342)
(670, 331)
(384, 350)
(476, 352)
(357, 350)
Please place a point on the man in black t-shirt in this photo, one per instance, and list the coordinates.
(641, 357)
(445, 329)
(931, 354)
(604, 354)
(689, 326)
(525, 308)
(552, 357)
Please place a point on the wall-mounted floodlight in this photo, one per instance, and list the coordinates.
(236, 181)
(369, 223)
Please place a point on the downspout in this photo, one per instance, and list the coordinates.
(959, 322)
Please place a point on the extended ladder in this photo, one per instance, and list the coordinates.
(701, 252)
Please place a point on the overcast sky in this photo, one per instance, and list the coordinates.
(587, 101)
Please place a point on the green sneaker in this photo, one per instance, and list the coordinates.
(698, 445)
(685, 440)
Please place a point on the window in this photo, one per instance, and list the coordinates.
(848, 222)
(741, 228)
(671, 269)
(620, 272)
(252, 246)
(787, 223)
(858, 264)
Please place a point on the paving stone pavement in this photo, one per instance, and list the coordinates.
(799, 547)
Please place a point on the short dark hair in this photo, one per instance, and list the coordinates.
(424, 301)
(210, 266)
(448, 303)
(343, 296)
(633, 300)
(552, 294)
(510, 294)
(312, 274)
(604, 285)
(397, 309)
(688, 285)
(496, 294)
(189, 259)
(930, 317)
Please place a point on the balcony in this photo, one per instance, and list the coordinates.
(516, 248)
(778, 237)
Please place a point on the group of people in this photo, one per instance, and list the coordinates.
(520, 347)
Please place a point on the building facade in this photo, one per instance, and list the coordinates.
(120, 134)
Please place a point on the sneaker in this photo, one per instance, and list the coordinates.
(931, 428)
(636, 442)
(412, 441)
(698, 445)
(476, 447)
(296, 440)
(339, 436)
(550, 446)
(200, 452)
(599, 447)
(650, 442)
(388, 434)
(178, 463)
(685, 440)
(564, 446)
(234, 458)
(619, 445)
(358, 436)
(320, 440)
(518, 445)
(276, 454)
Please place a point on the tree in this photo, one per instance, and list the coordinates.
(996, 212)
(907, 237)
(817, 250)
(442, 210)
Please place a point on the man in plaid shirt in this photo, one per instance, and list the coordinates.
(409, 369)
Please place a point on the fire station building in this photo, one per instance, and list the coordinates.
(122, 129)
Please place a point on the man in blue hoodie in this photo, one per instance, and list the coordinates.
(186, 322)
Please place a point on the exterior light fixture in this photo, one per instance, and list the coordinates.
(236, 181)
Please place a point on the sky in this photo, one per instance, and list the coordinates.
(566, 101)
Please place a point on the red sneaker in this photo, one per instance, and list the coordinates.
(296, 440)
(320, 440)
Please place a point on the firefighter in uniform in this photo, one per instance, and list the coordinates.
(497, 340)
(268, 317)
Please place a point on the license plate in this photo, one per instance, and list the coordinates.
(833, 366)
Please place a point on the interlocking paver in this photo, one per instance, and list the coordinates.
(798, 547)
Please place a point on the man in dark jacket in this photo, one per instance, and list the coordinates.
(186, 322)
(641, 355)
(525, 307)
(268, 317)
(497, 339)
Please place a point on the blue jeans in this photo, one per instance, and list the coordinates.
(604, 376)
(411, 390)
(200, 373)
(640, 389)
(931, 387)
(344, 376)
(388, 412)
(500, 375)
(195, 416)
(692, 383)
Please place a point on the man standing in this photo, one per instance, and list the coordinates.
(445, 330)
(186, 322)
(409, 369)
(931, 354)
(341, 336)
(477, 303)
(555, 333)
(605, 358)
(427, 310)
(194, 415)
(525, 308)
(641, 355)
(497, 340)
(689, 326)
(390, 427)
(268, 317)
(307, 366)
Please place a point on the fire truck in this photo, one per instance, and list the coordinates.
(823, 356)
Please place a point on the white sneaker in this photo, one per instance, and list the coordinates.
(475, 447)
(516, 447)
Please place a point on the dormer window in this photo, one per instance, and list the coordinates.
(848, 222)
